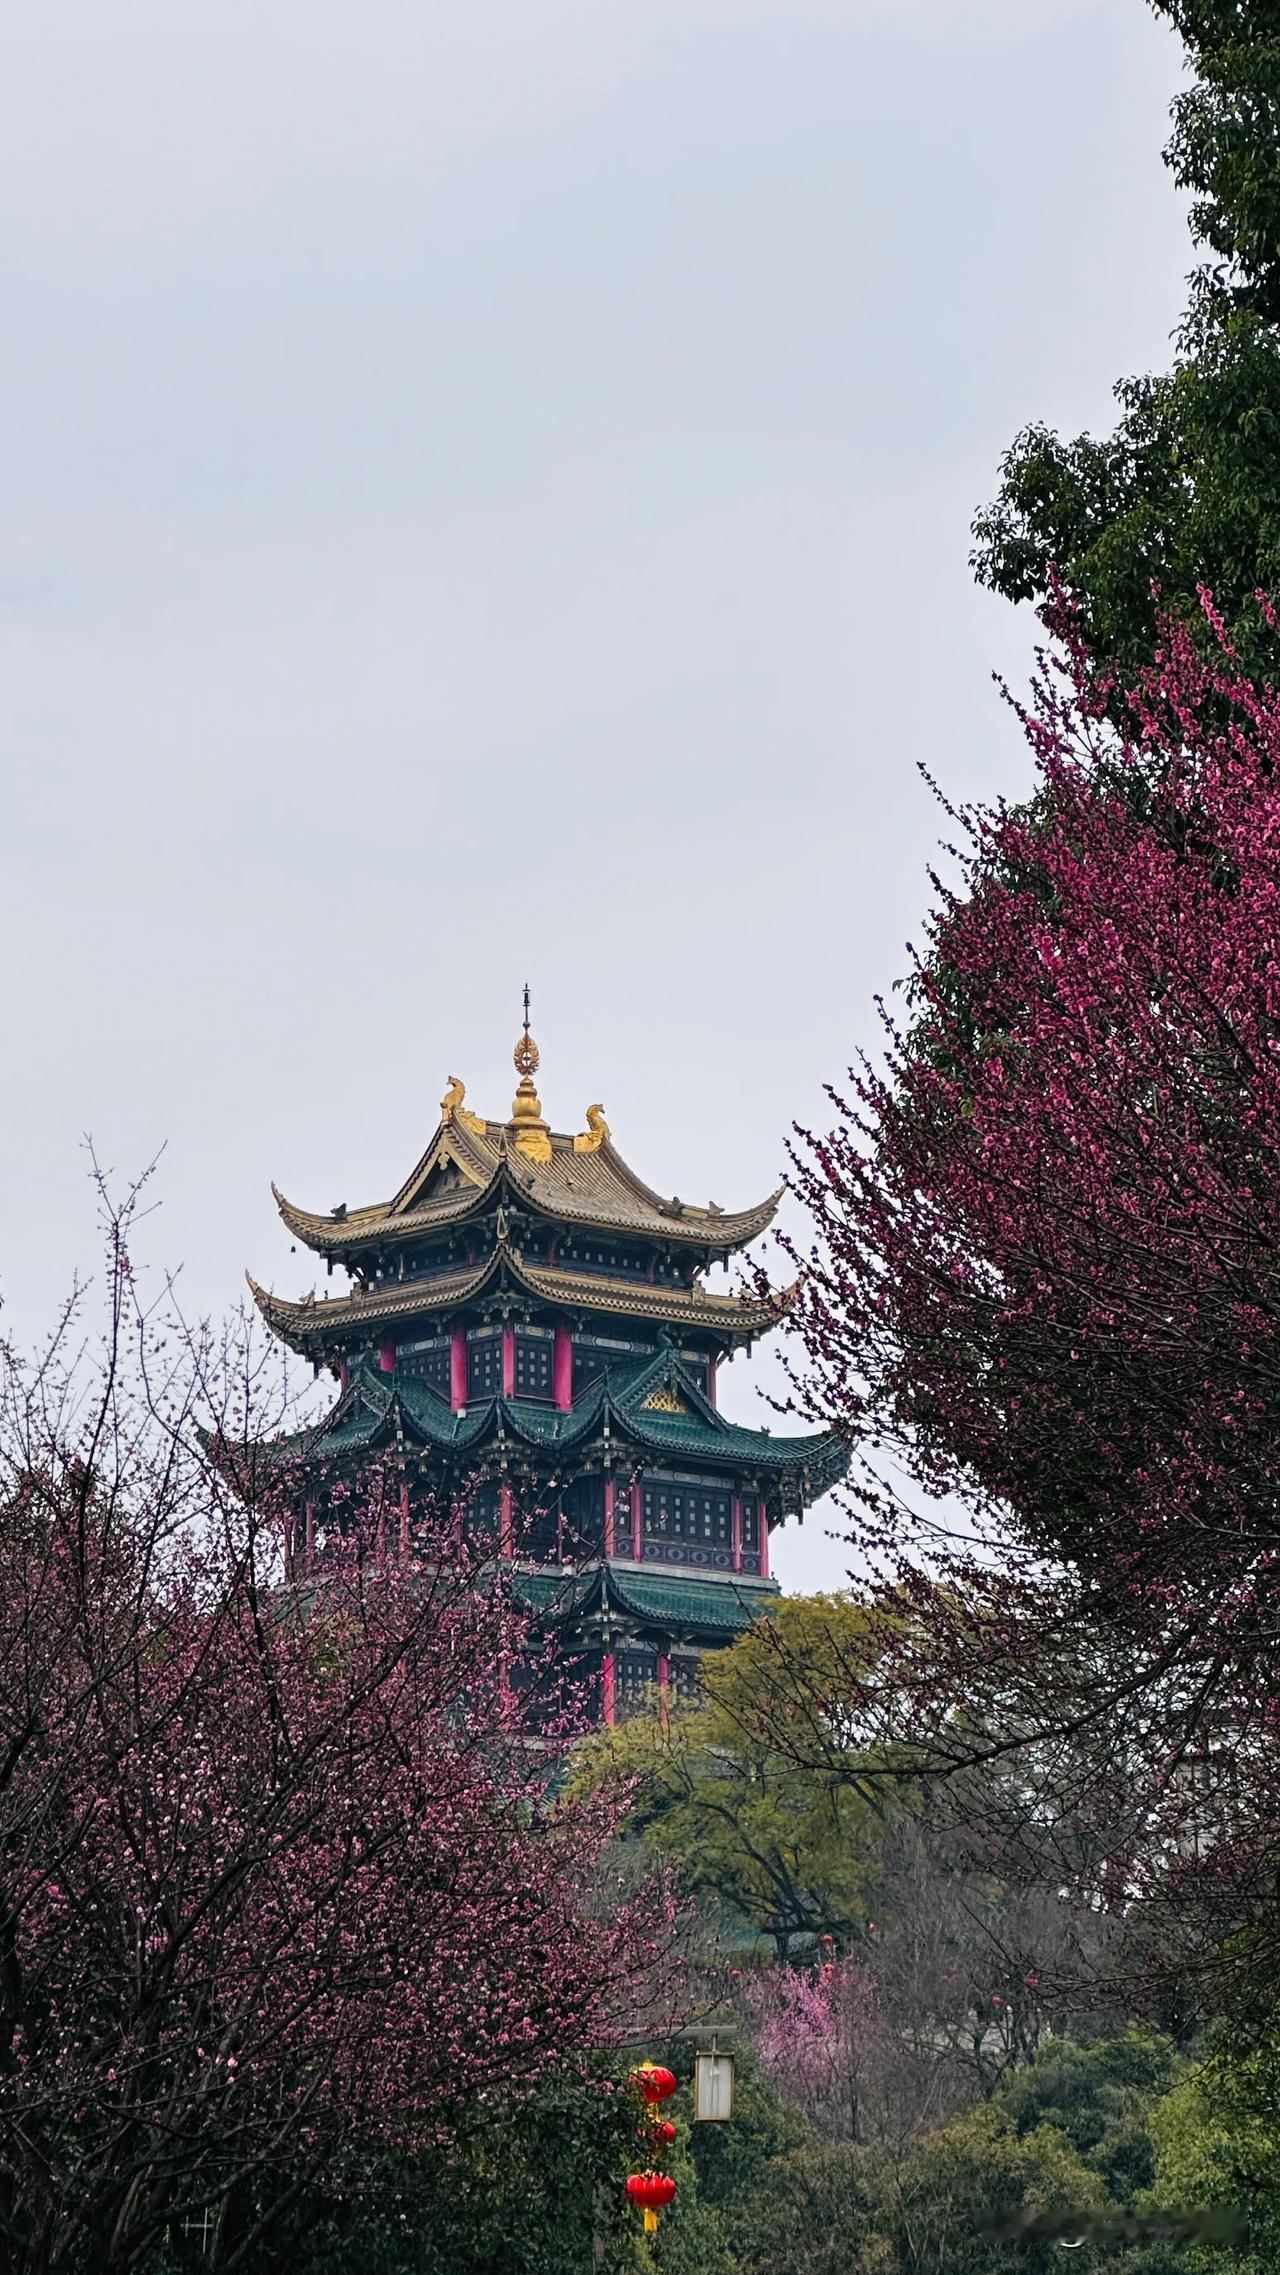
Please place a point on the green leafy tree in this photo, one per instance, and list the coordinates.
(1099, 2096)
(1187, 488)
(792, 1855)
(941, 2205)
(1225, 147)
(1216, 2137)
(813, 2213)
(938, 2211)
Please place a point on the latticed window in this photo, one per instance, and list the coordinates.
(427, 1361)
(684, 1680)
(535, 1363)
(426, 1264)
(684, 1510)
(538, 1525)
(634, 1675)
(672, 1271)
(624, 1527)
(696, 1366)
(751, 1520)
(484, 1362)
(481, 1515)
(584, 1252)
(583, 1505)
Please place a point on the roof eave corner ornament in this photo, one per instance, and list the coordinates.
(452, 1108)
(597, 1130)
(531, 1133)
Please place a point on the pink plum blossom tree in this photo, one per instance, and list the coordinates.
(279, 1873)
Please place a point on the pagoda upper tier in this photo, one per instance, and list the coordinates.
(471, 1165)
(515, 1217)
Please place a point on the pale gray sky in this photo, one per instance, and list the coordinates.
(484, 493)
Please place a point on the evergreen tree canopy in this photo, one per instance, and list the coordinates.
(1186, 489)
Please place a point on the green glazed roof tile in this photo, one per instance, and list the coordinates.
(666, 1599)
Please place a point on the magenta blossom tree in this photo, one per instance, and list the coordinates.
(280, 1879)
(1044, 1295)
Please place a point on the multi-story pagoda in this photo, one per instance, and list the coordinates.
(526, 1321)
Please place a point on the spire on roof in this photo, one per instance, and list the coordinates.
(532, 1133)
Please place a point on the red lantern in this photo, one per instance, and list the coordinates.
(651, 2191)
(664, 2129)
(654, 2083)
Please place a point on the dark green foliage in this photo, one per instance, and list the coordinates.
(1098, 2096)
(717, 2166)
(1118, 2130)
(1185, 491)
(1225, 147)
(1187, 487)
(812, 2214)
(1107, 2130)
(1217, 2141)
(1085, 2088)
(848, 2211)
(520, 2188)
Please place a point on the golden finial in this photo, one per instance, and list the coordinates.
(526, 1053)
(533, 1137)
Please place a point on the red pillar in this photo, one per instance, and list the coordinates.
(762, 1527)
(508, 1362)
(608, 1688)
(458, 1368)
(737, 1532)
(664, 1683)
(564, 1369)
(387, 1355)
(608, 1524)
(344, 1372)
(506, 1523)
(637, 1523)
(711, 1380)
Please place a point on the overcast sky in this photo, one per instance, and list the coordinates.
(484, 494)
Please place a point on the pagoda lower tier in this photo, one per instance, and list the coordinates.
(637, 1516)
(527, 1338)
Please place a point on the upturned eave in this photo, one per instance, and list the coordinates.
(318, 1325)
(595, 1190)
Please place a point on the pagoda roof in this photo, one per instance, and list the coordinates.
(663, 1600)
(653, 1404)
(471, 1165)
(310, 1325)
